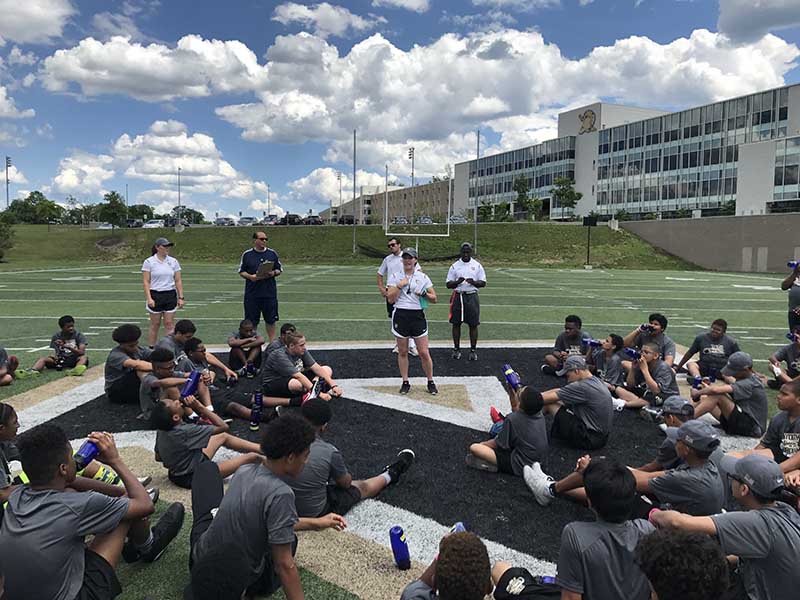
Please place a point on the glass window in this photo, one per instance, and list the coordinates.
(790, 175)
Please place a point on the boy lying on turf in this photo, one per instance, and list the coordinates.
(569, 342)
(180, 446)
(650, 381)
(70, 352)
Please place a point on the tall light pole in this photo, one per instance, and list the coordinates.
(339, 177)
(8, 166)
(413, 204)
(269, 202)
(354, 191)
(477, 187)
(179, 195)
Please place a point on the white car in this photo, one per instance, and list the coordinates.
(154, 224)
(105, 226)
(247, 221)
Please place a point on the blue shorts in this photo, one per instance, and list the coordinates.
(254, 308)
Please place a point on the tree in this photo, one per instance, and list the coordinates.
(189, 214)
(522, 189)
(113, 209)
(622, 215)
(502, 212)
(140, 211)
(484, 212)
(35, 208)
(564, 193)
(728, 208)
(535, 206)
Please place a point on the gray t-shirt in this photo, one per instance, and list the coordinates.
(526, 437)
(791, 355)
(596, 560)
(667, 455)
(237, 336)
(608, 369)
(41, 540)
(325, 464)
(114, 370)
(767, 542)
(749, 395)
(783, 436)
(281, 364)
(180, 449)
(713, 355)
(417, 590)
(665, 344)
(73, 341)
(794, 294)
(149, 394)
(258, 510)
(591, 402)
(663, 375)
(170, 343)
(571, 344)
(275, 344)
(696, 491)
(186, 365)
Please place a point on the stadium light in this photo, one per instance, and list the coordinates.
(8, 166)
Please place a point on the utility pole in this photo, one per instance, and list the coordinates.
(179, 196)
(8, 166)
(413, 204)
(386, 201)
(269, 202)
(477, 187)
(339, 178)
(354, 191)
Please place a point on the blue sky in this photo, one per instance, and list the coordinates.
(96, 95)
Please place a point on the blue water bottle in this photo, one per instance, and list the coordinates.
(459, 527)
(402, 558)
(86, 454)
(696, 381)
(792, 264)
(232, 381)
(646, 328)
(633, 353)
(792, 337)
(592, 343)
(512, 377)
(255, 411)
(190, 387)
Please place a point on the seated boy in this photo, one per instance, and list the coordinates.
(70, 352)
(159, 381)
(245, 343)
(180, 446)
(125, 365)
(675, 412)
(790, 354)
(650, 380)
(568, 342)
(197, 358)
(582, 410)
(521, 441)
(606, 362)
(714, 348)
(740, 407)
(314, 495)
(652, 332)
(278, 342)
(42, 548)
(248, 546)
(174, 342)
(8, 365)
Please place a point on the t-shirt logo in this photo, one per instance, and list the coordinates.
(574, 350)
(516, 586)
(795, 365)
(716, 349)
(790, 444)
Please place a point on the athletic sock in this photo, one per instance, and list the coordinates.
(210, 408)
(147, 544)
(387, 477)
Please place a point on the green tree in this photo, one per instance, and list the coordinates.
(189, 214)
(113, 209)
(484, 212)
(622, 215)
(35, 208)
(522, 189)
(683, 213)
(502, 212)
(564, 193)
(535, 206)
(728, 208)
(140, 211)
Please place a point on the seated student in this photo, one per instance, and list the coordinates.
(695, 487)
(652, 332)
(790, 354)
(682, 565)
(278, 342)
(248, 546)
(174, 342)
(42, 548)
(606, 362)
(582, 410)
(197, 358)
(765, 535)
(521, 441)
(125, 365)
(180, 446)
(245, 343)
(70, 352)
(460, 571)
(159, 380)
(314, 494)
(714, 348)
(650, 380)
(568, 342)
(740, 407)
(8, 365)
(288, 371)
(675, 412)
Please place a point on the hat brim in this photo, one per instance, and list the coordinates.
(562, 372)
(727, 371)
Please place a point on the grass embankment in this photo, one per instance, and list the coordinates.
(528, 244)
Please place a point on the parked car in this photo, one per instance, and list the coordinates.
(425, 220)
(270, 220)
(154, 224)
(458, 220)
(105, 226)
(291, 219)
(247, 221)
(224, 222)
(345, 220)
(312, 220)
(400, 220)
(133, 223)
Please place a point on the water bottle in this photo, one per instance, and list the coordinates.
(255, 411)
(592, 343)
(402, 558)
(792, 264)
(792, 337)
(545, 579)
(633, 353)
(512, 377)
(232, 381)
(86, 454)
(459, 527)
(646, 328)
(696, 382)
(190, 387)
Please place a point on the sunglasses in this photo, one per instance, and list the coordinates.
(262, 239)
(391, 245)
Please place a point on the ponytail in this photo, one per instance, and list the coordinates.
(153, 250)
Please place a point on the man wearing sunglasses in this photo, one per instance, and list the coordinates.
(260, 290)
(393, 263)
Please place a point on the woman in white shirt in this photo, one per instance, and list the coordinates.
(163, 289)
(410, 291)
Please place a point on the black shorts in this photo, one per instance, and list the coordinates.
(279, 387)
(99, 579)
(409, 323)
(645, 394)
(165, 301)
(341, 500)
(70, 361)
(794, 320)
(125, 390)
(465, 308)
(182, 481)
(503, 458)
(235, 363)
(707, 370)
(255, 308)
(740, 423)
(569, 428)
(517, 583)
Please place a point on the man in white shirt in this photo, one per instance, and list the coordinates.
(393, 263)
(465, 278)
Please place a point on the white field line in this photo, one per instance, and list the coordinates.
(66, 269)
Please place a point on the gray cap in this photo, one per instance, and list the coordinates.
(675, 405)
(163, 242)
(761, 474)
(466, 245)
(699, 435)
(737, 362)
(411, 252)
(573, 363)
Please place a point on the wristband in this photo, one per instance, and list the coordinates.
(651, 513)
(181, 298)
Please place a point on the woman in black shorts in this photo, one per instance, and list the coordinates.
(163, 289)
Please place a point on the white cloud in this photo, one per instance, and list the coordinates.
(264, 206)
(109, 25)
(749, 20)
(585, 2)
(519, 5)
(325, 19)
(16, 176)
(9, 110)
(34, 21)
(18, 57)
(28, 80)
(83, 174)
(321, 187)
(419, 6)
(486, 20)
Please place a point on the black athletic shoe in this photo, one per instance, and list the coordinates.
(548, 370)
(473, 355)
(400, 466)
(165, 531)
(432, 388)
(316, 389)
(456, 353)
(405, 388)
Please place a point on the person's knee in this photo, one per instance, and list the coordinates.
(498, 570)
(6, 380)
(475, 449)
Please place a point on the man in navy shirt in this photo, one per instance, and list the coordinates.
(260, 292)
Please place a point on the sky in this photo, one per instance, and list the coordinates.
(249, 98)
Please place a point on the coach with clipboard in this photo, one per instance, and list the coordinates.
(259, 267)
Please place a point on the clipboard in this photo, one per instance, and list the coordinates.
(264, 269)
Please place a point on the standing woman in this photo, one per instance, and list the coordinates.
(163, 289)
(410, 291)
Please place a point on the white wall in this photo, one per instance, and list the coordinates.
(756, 179)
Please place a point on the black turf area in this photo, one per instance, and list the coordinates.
(439, 485)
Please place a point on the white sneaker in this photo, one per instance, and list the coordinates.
(539, 483)
(395, 350)
(619, 404)
(412, 348)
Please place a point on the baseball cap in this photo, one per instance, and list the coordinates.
(698, 435)
(163, 242)
(675, 405)
(761, 474)
(410, 252)
(738, 361)
(466, 245)
(573, 363)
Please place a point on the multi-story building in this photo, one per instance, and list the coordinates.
(648, 163)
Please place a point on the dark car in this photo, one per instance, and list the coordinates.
(291, 219)
(134, 223)
(346, 220)
(312, 220)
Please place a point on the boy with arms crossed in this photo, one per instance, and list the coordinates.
(568, 342)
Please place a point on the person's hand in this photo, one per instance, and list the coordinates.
(796, 310)
(563, 356)
(193, 403)
(695, 394)
(208, 377)
(642, 364)
(59, 342)
(792, 479)
(582, 463)
(336, 391)
(229, 374)
(181, 302)
(384, 292)
(470, 281)
(151, 303)
(460, 280)
(332, 521)
(105, 444)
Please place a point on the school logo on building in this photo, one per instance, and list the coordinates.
(588, 118)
